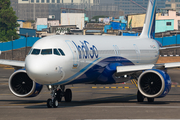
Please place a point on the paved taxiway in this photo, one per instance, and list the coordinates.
(91, 102)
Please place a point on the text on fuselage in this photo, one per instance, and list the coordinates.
(86, 50)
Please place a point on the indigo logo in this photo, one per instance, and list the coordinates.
(86, 51)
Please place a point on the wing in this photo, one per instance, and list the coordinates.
(13, 63)
(123, 70)
(165, 48)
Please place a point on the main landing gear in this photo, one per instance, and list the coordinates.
(140, 97)
(57, 94)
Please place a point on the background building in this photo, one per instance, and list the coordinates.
(173, 4)
(132, 6)
(32, 9)
(168, 21)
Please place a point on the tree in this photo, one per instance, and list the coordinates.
(97, 17)
(32, 21)
(8, 22)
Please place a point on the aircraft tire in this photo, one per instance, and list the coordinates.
(58, 95)
(55, 103)
(150, 100)
(68, 95)
(49, 103)
(140, 97)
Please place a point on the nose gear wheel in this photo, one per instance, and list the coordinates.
(57, 94)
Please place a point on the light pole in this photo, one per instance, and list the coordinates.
(26, 44)
(12, 47)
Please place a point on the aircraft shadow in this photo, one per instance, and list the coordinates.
(114, 99)
(124, 98)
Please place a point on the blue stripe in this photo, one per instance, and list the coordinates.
(151, 19)
(77, 74)
(92, 74)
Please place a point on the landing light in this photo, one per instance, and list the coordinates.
(50, 86)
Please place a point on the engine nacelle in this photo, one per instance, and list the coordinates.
(154, 83)
(22, 86)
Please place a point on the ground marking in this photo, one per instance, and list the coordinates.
(94, 87)
(8, 68)
(113, 87)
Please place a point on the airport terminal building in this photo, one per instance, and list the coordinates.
(32, 9)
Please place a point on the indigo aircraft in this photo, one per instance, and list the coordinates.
(61, 60)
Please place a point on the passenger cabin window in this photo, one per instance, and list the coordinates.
(56, 52)
(62, 53)
(35, 52)
(46, 51)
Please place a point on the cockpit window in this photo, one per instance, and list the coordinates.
(62, 53)
(30, 51)
(56, 52)
(46, 51)
(35, 52)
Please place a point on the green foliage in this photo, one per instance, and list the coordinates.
(8, 22)
(68, 30)
(63, 30)
(97, 17)
(5, 4)
(32, 21)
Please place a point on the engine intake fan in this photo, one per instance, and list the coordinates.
(154, 83)
(22, 86)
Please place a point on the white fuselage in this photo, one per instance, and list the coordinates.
(82, 53)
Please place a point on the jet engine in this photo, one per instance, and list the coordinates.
(22, 86)
(154, 83)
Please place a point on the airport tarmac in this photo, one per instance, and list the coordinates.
(90, 102)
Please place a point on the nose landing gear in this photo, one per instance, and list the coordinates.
(57, 94)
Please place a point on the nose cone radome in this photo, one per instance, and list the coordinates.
(42, 71)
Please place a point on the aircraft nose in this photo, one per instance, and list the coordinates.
(41, 71)
(35, 69)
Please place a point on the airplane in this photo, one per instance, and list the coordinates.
(60, 60)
